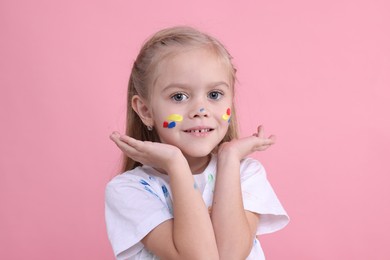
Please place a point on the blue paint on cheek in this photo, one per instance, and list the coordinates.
(171, 124)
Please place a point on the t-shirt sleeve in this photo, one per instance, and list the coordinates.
(133, 207)
(259, 197)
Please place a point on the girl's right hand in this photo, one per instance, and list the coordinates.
(157, 155)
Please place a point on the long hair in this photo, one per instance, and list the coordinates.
(158, 47)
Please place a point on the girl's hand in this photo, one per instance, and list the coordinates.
(240, 148)
(158, 155)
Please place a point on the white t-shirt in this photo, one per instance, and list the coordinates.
(139, 200)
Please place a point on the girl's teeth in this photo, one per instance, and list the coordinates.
(199, 131)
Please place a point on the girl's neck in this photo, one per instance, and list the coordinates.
(198, 164)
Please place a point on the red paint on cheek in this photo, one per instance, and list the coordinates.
(228, 112)
(165, 124)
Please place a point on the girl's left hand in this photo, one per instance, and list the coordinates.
(240, 148)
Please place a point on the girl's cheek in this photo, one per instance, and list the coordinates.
(171, 120)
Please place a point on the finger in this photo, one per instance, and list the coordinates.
(122, 145)
(137, 145)
(129, 140)
(268, 141)
(262, 148)
(125, 147)
(128, 150)
(115, 136)
(260, 131)
(273, 138)
(265, 143)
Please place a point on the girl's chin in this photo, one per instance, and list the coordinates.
(196, 154)
(195, 150)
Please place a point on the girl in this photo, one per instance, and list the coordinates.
(188, 190)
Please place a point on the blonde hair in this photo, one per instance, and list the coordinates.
(159, 46)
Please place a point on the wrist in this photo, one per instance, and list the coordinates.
(177, 163)
(228, 153)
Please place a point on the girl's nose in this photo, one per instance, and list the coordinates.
(199, 112)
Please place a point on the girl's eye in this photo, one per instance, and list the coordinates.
(215, 95)
(179, 97)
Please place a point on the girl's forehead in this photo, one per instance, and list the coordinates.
(191, 59)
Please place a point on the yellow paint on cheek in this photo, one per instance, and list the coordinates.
(225, 117)
(175, 118)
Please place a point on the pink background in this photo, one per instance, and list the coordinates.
(315, 73)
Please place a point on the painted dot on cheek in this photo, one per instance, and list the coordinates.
(228, 111)
(171, 125)
(165, 124)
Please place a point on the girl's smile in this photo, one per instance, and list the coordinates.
(199, 131)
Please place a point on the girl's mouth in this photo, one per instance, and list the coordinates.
(199, 130)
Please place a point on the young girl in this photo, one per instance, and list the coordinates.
(188, 190)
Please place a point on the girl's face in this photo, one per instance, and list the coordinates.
(190, 101)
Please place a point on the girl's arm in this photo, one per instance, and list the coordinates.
(191, 231)
(234, 227)
(190, 234)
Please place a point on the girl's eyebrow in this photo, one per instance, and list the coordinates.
(175, 86)
(219, 83)
(187, 86)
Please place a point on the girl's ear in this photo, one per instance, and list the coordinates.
(141, 108)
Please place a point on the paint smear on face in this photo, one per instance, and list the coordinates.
(171, 120)
(175, 117)
(227, 115)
